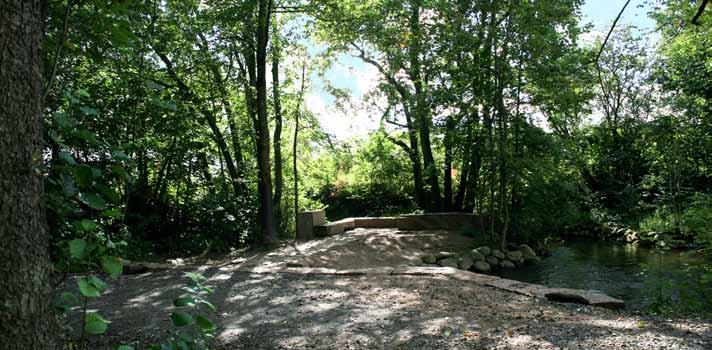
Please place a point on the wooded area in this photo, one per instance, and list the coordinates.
(144, 130)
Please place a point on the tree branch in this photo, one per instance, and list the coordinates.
(700, 11)
(613, 26)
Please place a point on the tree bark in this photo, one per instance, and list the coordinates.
(277, 140)
(447, 173)
(26, 316)
(266, 210)
(421, 110)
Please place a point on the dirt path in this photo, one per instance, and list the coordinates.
(295, 311)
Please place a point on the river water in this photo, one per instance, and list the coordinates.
(641, 277)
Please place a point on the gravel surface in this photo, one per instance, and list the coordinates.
(297, 311)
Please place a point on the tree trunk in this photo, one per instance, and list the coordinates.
(266, 210)
(297, 112)
(26, 317)
(421, 111)
(447, 173)
(277, 140)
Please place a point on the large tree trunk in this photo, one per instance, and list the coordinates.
(26, 317)
(422, 112)
(266, 210)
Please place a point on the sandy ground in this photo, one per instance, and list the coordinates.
(293, 311)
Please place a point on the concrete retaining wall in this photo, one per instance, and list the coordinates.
(313, 223)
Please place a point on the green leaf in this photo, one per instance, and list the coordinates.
(111, 213)
(89, 110)
(112, 265)
(204, 324)
(119, 155)
(87, 136)
(67, 158)
(125, 347)
(69, 299)
(85, 225)
(88, 290)
(95, 324)
(82, 93)
(184, 301)
(107, 192)
(181, 319)
(93, 200)
(83, 175)
(67, 183)
(77, 248)
(65, 301)
(97, 283)
(121, 172)
(208, 304)
(195, 277)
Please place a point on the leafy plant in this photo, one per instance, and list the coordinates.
(192, 327)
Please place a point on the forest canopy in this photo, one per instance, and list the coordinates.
(178, 119)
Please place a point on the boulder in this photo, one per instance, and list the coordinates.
(448, 262)
(498, 254)
(631, 236)
(531, 260)
(526, 250)
(429, 259)
(465, 262)
(507, 264)
(444, 255)
(476, 255)
(481, 266)
(484, 250)
(492, 260)
(515, 255)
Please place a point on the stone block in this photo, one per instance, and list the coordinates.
(334, 228)
(307, 220)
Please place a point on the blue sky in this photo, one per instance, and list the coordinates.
(350, 73)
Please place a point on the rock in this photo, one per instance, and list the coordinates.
(481, 266)
(476, 255)
(631, 236)
(492, 260)
(526, 250)
(589, 297)
(444, 255)
(484, 250)
(429, 259)
(448, 262)
(497, 254)
(515, 255)
(294, 264)
(606, 229)
(465, 262)
(531, 260)
(507, 264)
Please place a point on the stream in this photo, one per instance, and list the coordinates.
(639, 276)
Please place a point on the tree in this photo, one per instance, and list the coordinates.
(26, 317)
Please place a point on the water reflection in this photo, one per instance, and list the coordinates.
(637, 275)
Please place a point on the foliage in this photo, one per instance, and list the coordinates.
(192, 327)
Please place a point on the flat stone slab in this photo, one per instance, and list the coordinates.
(565, 295)
(589, 297)
(334, 228)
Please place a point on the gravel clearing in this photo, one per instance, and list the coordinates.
(297, 311)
